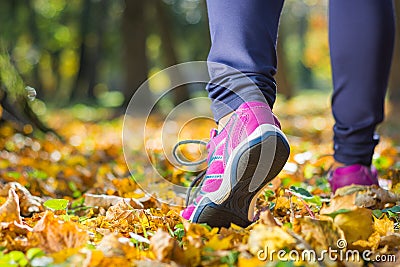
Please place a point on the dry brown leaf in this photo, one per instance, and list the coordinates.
(351, 189)
(165, 248)
(339, 202)
(356, 224)
(320, 234)
(267, 218)
(121, 210)
(392, 240)
(369, 196)
(113, 245)
(10, 210)
(105, 201)
(28, 203)
(13, 236)
(53, 234)
(376, 198)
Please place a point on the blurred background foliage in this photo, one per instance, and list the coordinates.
(97, 52)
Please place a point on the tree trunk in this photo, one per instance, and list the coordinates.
(34, 33)
(16, 109)
(81, 82)
(90, 53)
(97, 50)
(169, 54)
(134, 50)
(284, 85)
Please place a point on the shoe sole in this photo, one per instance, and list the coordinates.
(253, 164)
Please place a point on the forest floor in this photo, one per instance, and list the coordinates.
(75, 203)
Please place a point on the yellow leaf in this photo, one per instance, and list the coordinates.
(356, 224)
(320, 234)
(383, 226)
(218, 242)
(62, 255)
(249, 261)
(371, 243)
(271, 237)
(192, 256)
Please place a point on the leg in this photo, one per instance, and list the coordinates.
(243, 35)
(361, 36)
(242, 63)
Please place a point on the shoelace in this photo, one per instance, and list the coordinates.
(199, 178)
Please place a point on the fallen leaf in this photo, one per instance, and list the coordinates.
(113, 245)
(121, 210)
(165, 248)
(267, 218)
(218, 242)
(10, 210)
(28, 203)
(196, 234)
(53, 234)
(264, 237)
(375, 197)
(383, 226)
(282, 206)
(392, 240)
(372, 242)
(246, 260)
(356, 224)
(369, 196)
(320, 234)
(106, 201)
(339, 202)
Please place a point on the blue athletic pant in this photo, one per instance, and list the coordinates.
(361, 38)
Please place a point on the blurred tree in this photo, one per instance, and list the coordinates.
(70, 49)
(92, 24)
(14, 97)
(134, 32)
(169, 54)
(285, 86)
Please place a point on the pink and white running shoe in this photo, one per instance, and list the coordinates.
(242, 159)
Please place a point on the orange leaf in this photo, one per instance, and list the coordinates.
(55, 235)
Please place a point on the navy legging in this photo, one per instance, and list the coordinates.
(361, 37)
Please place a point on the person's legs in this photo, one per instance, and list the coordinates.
(243, 35)
(361, 34)
(251, 149)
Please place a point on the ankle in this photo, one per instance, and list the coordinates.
(337, 164)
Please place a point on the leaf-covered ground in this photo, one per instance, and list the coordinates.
(74, 203)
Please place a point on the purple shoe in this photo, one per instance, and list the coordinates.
(356, 174)
(248, 153)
